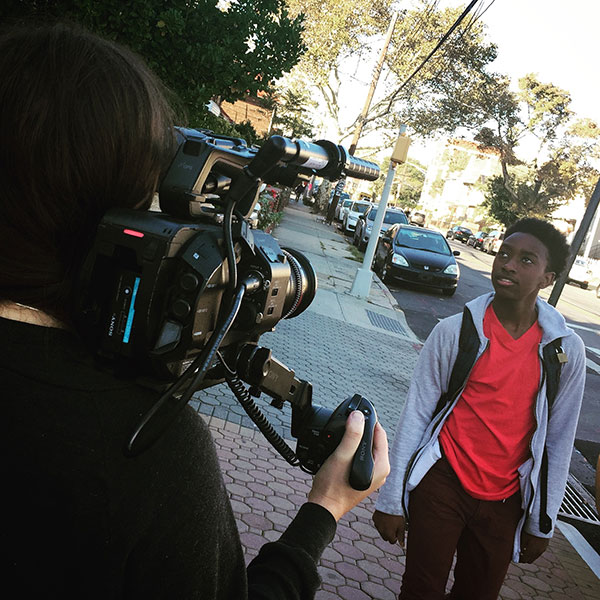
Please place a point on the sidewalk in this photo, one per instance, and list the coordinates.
(344, 345)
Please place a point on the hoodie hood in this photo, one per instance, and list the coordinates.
(553, 324)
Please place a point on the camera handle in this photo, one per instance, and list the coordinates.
(260, 369)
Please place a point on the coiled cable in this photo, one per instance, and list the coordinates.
(253, 411)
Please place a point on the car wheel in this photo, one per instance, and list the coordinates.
(584, 286)
(449, 291)
(385, 276)
(374, 263)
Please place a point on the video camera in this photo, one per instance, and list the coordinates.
(182, 295)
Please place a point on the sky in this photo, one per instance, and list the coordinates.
(556, 39)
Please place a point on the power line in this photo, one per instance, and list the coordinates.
(444, 38)
(458, 21)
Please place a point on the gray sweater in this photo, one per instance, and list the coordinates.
(416, 447)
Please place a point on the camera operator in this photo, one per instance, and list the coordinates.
(85, 127)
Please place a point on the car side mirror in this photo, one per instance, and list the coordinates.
(456, 252)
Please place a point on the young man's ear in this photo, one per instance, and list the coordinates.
(549, 278)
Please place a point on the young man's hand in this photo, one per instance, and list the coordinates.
(391, 527)
(532, 547)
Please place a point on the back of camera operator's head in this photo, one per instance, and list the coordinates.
(84, 126)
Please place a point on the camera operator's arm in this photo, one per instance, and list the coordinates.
(287, 568)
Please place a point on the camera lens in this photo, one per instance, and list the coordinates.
(302, 286)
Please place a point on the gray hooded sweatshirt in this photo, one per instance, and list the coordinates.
(416, 447)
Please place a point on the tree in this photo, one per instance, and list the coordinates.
(432, 101)
(199, 48)
(562, 165)
(292, 114)
(407, 184)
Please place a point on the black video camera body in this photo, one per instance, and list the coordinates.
(154, 286)
(165, 294)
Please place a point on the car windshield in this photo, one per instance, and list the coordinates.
(422, 240)
(391, 217)
(395, 217)
(465, 230)
(359, 208)
(347, 202)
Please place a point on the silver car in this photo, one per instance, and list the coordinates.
(365, 222)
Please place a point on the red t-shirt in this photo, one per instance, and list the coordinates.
(486, 437)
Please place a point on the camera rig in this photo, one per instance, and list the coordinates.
(182, 295)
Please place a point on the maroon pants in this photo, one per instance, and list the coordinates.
(445, 520)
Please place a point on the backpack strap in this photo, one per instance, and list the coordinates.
(468, 345)
(554, 358)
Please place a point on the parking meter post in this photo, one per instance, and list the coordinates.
(339, 188)
(361, 286)
(588, 217)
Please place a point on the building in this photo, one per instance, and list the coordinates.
(455, 183)
(248, 109)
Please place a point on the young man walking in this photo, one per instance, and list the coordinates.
(482, 473)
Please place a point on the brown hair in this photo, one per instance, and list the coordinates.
(84, 126)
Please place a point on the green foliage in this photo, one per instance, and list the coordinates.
(206, 120)
(407, 184)
(291, 114)
(198, 50)
(456, 160)
(334, 30)
(408, 198)
(322, 198)
(437, 99)
(522, 199)
(268, 216)
(564, 166)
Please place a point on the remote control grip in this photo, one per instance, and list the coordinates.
(361, 472)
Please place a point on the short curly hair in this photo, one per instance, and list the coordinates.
(552, 238)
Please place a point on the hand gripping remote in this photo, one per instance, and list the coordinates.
(361, 472)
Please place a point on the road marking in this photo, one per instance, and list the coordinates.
(592, 365)
(594, 350)
(582, 327)
(581, 545)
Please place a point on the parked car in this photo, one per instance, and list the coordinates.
(357, 208)
(417, 255)
(476, 239)
(492, 241)
(364, 225)
(458, 232)
(343, 202)
(416, 218)
(580, 274)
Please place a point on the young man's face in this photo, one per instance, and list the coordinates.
(520, 269)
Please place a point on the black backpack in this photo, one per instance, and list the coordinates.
(553, 359)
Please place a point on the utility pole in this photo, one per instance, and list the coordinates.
(339, 188)
(588, 217)
(376, 73)
(361, 286)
